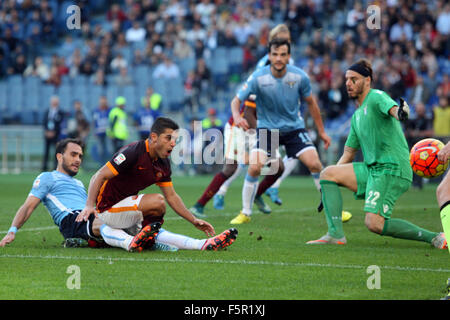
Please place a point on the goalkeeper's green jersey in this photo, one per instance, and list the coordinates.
(380, 136)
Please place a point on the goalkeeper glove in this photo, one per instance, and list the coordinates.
(403, 110)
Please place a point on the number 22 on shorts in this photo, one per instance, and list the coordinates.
(372, 198)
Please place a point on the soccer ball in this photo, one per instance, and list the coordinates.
(423, 158)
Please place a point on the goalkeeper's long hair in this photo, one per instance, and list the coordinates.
(365, 65)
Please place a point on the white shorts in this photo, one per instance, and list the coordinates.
(238, 143)
(124, 214)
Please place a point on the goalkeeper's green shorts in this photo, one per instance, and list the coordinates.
(379, 190)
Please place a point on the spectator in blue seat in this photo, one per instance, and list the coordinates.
(38, 69)
(123, 78)
(166, 70)
(19, 65)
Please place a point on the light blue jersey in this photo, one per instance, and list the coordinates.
(264, 61)
(277, 99)
(60, 194)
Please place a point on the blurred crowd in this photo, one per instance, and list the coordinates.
(408, 44)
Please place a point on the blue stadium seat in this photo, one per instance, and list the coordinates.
(141, 75)
(126, 52)
(138, 45)
(220, 67)
(66, 80)
(95, 92)
(79, 92)
(175, 94)
(80, 79)
(160, 87)
(186, 65)
(4, 110)
(15, 80)
(31, 100)
(219, 63)
(130, 95)
(47, 90)
(32, 83)
(236, 58)
(65, 94)
(14, 96)
(112, 92)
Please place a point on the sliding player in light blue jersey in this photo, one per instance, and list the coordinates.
(65, 196)
(278, 89)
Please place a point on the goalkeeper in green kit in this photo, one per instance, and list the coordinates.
(385, 173)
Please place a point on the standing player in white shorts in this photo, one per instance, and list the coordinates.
(237, 144)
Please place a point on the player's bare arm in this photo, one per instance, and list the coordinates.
(250, 116)
(177, 204)
(96, 182)
(238, 119)
(315, 114)
(347, 156)
(22, 215)
(444, 154)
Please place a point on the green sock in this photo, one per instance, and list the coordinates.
(445, 219)
(332, 203)
(398, 228)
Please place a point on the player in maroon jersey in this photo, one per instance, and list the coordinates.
(113, 190)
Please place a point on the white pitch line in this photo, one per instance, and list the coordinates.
(231, 214)
(220, 261)
(34, 229)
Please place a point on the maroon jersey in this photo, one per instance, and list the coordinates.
(134, 171)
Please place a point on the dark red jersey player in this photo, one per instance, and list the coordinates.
(114, 189)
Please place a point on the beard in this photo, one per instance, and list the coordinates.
(355, 93)
(279, 70)
(69, 171)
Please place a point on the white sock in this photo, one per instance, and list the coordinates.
(178, 240)
(115, 237)
(289, 165)
(224, 187)
(249, 190)
(316, 178)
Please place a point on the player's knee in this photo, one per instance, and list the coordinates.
(254, 170)
(327, 173)
(374, 223)
(255, 167)
(153, 204)
(316, 167)
(229, 169)
(160, 204)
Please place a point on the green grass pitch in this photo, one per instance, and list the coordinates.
(268, 261)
